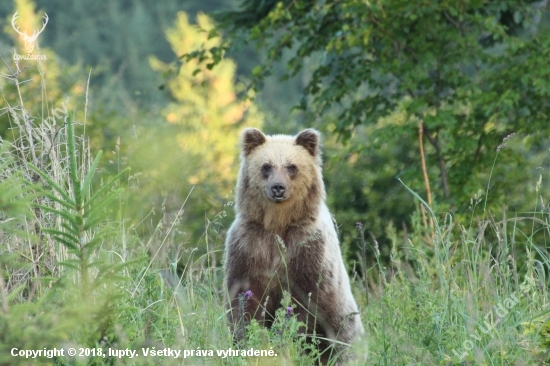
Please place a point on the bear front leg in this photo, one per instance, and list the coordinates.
(241, 306)
(248, 300)
(327, 311)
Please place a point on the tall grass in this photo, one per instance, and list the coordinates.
(75, 276)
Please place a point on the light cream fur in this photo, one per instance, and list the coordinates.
(279, 150)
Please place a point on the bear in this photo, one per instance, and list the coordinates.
(283, 239)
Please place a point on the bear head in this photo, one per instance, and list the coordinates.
(280, 173)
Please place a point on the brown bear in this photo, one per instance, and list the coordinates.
(284, 239)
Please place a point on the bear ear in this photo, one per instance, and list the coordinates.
(251, 139)
(310, 139)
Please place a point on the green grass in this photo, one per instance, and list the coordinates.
(76, 275)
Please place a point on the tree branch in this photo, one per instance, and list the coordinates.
(434, 140)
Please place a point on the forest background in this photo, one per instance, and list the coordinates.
(449, 101)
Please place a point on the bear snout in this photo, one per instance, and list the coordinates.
(277, 192)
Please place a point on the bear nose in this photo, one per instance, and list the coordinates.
(278, 190)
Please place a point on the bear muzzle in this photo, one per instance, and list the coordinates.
(276, 192)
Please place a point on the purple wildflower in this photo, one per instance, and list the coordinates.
(248, 294)
(289, 310)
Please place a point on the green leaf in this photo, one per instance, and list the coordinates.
(68, 244)
(91, 172)
(68, 201)
(51, 196)
(14, 293)
(61, 234)
(73, 169)
(71, 263)
(91, 202)
(96, 240)
(64, 214)
(105, 201)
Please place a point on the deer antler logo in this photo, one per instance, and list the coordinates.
(29, 40)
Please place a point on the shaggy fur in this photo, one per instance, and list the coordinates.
(283, 239)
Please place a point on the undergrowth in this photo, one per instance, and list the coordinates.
(75, 275)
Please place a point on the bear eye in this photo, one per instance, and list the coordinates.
(266, 168)
(292, 168)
